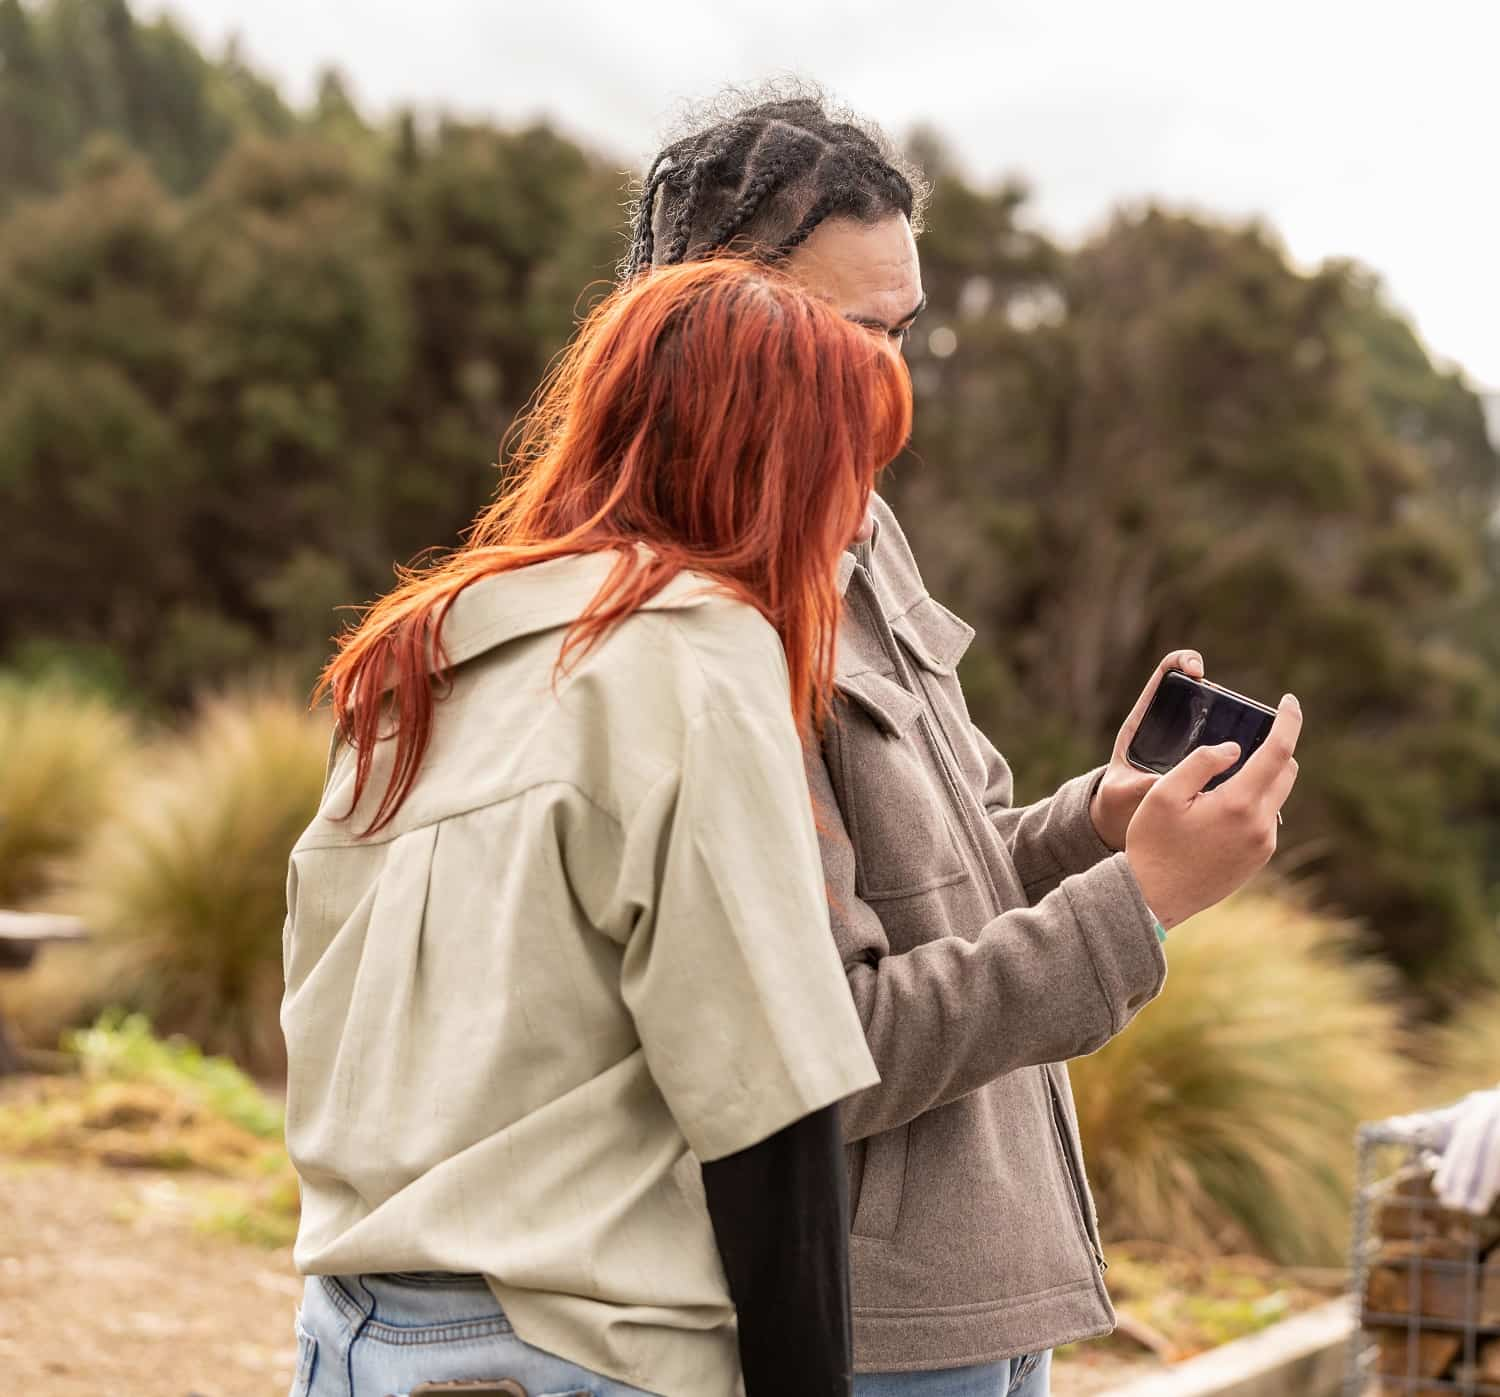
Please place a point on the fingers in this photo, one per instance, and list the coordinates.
(1281, 784)
(1269, 760)
(1189, 661)
(1199, 767)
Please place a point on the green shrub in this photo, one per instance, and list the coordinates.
(188, 884)
(141, 1102)
(1224, 1116)
(121, 1047)
(63, 755)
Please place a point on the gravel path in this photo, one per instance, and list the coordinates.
(107, 1290)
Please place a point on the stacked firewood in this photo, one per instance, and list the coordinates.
(1432, 1292)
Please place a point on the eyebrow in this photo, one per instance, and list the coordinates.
(870, 323)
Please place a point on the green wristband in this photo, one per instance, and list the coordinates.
(1161, 932)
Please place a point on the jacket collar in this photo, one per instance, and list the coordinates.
(547, 596)
(544, 597)
(857, 555)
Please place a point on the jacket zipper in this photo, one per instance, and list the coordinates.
(952, 779)
(1073, 1181)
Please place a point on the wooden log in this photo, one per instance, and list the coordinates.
(1489, 1362)
(1434, 1352)
(1408, 1210)
(1401, 1285)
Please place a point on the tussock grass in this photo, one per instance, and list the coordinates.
(1223, 1118)
(64, 756)
(186, 886)
(1466, 1050)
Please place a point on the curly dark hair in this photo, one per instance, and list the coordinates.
(757, 170)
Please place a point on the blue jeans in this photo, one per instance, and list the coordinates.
(379, 1336)
(1011, 1377)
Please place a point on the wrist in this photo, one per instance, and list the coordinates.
(1155, 897)
(1100, 817)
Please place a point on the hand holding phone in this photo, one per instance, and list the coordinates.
(1185, 713)
(1195, 839)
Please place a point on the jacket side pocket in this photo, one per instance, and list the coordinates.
(882, 1184)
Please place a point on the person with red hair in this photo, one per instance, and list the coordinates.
(566, 1025)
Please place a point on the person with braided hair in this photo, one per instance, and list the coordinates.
(985, 944)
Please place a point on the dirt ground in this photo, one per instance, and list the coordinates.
(108, 1290)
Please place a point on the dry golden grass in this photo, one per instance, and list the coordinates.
(186, 886)
(63, 759)
(65, 986)
(1466, 1050)
(1223, 1118)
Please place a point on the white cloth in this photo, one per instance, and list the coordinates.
(1468, 1176)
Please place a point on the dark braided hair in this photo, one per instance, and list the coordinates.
(759, 173)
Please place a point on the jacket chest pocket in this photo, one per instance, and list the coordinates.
(935, 640)
(893, 791)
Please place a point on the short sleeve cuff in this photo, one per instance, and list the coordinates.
(752, 1111)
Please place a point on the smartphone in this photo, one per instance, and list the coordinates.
(1185, 713)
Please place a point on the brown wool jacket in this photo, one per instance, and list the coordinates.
(985, 945)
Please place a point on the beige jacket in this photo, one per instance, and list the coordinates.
(592, 949)
(985, 945)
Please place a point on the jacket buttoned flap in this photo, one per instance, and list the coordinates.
(937, 640)
(886, 769)
(934, 636)
(887, 703)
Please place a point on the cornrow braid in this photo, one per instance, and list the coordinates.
(644, 242)
(684, 228)
(766, 173)
(781, 168)
(804, 230)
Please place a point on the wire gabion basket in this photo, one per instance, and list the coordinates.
(1426, 1280)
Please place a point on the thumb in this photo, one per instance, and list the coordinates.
(1199, 767)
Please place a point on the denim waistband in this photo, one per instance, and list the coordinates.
(405, 1307)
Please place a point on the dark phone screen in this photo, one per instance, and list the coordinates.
(1183, 715)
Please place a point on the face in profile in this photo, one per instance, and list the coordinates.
(871, 275)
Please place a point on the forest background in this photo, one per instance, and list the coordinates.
(253, 356)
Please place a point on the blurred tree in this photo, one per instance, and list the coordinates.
(498, 236)
(254, 358)
(29, 119)
(94, 474)
(298, 345)
(70, 69)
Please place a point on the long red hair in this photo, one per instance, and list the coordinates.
(715, 411)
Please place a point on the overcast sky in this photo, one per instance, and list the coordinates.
(1368, 129)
